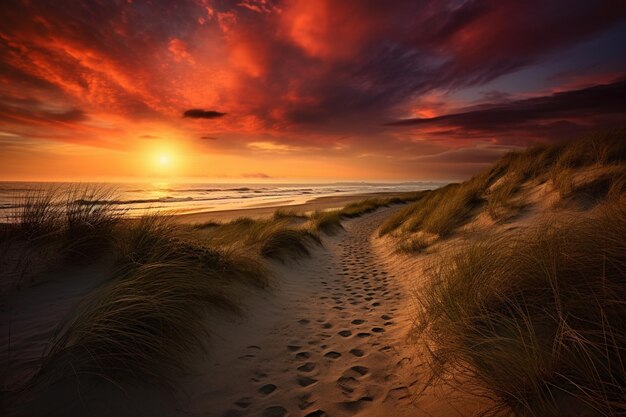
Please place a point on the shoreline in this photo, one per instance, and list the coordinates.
(260, 212)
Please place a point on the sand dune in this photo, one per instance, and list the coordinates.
(331, 340)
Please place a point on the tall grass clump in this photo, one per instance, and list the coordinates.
(155, 239)
(535, 322)
(360, 208)
(328, 222)
(90, 217)
(440, 211)
(143, 327)
(38, 214)
(397, 219)
(150, 318)
(278, 238)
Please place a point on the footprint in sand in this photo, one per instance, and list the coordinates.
(354, 406)
(307, 367)
(267, 389)
(332, 355)
(274, 411)
(363, 335)
(357, 352)
(345, 333)
(361, 370)
(347, 384)
(303, 355)
(305, 381)
(358, 321)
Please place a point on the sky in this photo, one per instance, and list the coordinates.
(286, 90)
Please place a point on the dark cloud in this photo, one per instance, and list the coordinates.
(208, 137)
(203, 114)
(148, 137)
(609, 99)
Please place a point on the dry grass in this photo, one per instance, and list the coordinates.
(328, 222)
(52, 228)
(90, 218)
(280, 238)
(444, 210)
(536, 322)
(413, 244)
(149, 319)
(37, 215)
(439, 212)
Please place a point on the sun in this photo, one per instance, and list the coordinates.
(164, 160)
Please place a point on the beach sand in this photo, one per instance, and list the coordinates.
(329, 340)
(264, 211)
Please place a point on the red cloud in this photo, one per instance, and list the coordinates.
(296, 73)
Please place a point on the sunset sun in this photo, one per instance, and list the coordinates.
(164, 160)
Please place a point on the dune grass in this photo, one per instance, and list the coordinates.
(413, 244)
(281, 237)
(327, 222)
(54, 227)
(535, 321)
(288, 234)
(439, 212)
(497, 189)
(37, 215)
(150, 318)
(79, 216)
(90, 217)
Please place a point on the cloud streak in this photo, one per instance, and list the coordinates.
(609, 99)
(203, 114)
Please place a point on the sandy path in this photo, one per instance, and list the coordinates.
(330, 345)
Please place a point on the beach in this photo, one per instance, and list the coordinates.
(268, 209)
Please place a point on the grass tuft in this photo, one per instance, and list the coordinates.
(536, 321)
(287, 243)
(328, 222)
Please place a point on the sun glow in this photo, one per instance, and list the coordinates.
(164, 160)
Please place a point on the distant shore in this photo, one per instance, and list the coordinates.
(318, 203)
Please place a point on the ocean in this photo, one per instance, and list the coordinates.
(136, 199)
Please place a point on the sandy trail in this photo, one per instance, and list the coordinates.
(331, 345)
